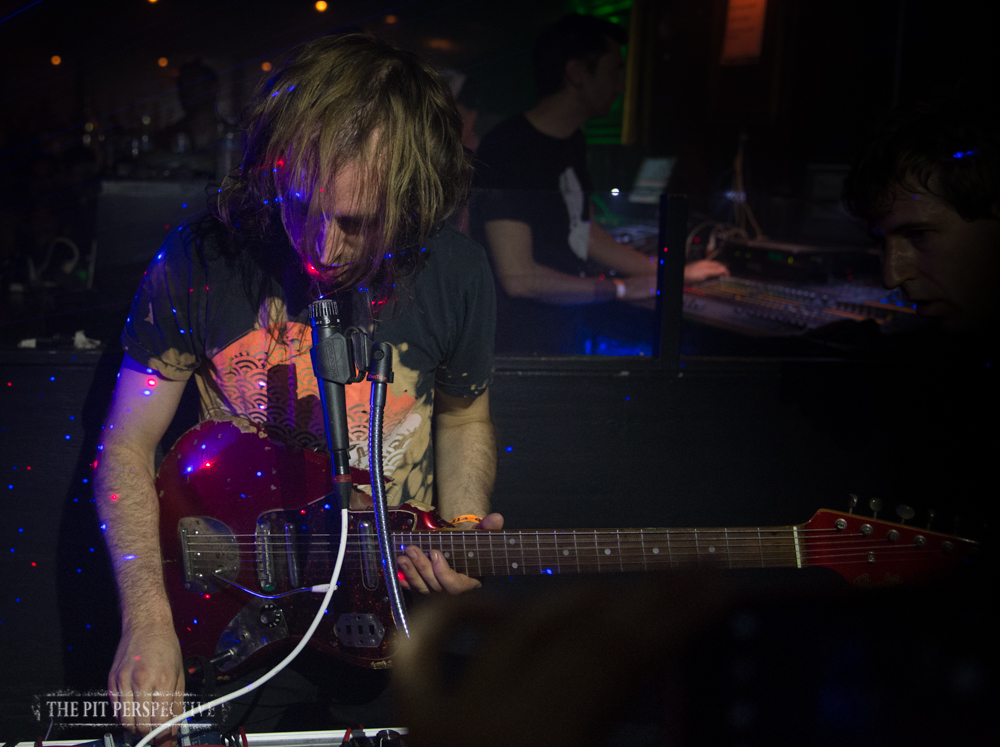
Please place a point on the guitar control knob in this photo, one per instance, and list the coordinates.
(875, 504)
(840, 524)
(270, 615)
(892, 535)
(905, 513)
(920, 540)
(866, 530)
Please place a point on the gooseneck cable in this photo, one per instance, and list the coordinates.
(380, 376)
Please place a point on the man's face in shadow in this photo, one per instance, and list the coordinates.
(598, 89)
(948, 267)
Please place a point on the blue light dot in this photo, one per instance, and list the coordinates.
(66, 437)
(12, 549)
(20, 530)
(189, 469)
(101, 447)
(85, 481)
(144, 391)
(326, 505)
(509, 448)
(91, 549)
(243, 495)
(87, 626)
(72, 417)
(17, 599)
(184, 204)
(291, 88)
(195, 622)
(103, 527)
(128, 557)
(79, 570)
(258, 474)
(10, 487)
(627, 399)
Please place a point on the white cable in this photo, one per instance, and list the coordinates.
(332, 587)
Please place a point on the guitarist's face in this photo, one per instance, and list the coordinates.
(350, 219)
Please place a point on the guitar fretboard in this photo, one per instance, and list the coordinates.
(479, 553)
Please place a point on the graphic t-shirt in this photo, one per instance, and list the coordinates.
(194, 314)
(527, 176)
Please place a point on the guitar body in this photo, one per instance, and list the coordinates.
(234, 503)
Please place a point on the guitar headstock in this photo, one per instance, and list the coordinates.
(868, 551)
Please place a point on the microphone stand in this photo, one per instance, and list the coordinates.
(333, 358)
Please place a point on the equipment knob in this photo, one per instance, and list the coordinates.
(905, 513)
(852, 502)
(875, 504)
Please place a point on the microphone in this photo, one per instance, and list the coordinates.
(334, 368)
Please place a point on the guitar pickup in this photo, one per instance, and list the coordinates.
(360, 631)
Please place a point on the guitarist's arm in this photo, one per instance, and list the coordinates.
(465, 465)
(148, 657)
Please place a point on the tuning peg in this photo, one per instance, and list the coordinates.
(875, 504)
(930, 517)
(852, 503)
(905, 513)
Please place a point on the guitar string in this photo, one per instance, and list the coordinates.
(431, 539)
(751, 555)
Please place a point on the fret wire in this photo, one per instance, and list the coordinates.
(576, 552)
(493, 562)
(597, 553)
(506, 555)
(728, 556)
(538, 549)
(555, 544)
(479, 559)
(642, 542)
(520, 541)
(618, 539)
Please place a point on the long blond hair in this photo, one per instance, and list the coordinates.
(350, 99)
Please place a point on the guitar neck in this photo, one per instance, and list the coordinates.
(478, 553)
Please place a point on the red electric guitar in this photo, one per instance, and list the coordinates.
(244, 523)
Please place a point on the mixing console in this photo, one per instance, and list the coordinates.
(759, 309)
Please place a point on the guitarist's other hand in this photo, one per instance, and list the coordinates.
(425, 574)
(146, 683)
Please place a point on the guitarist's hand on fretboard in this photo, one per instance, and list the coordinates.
(424, 574)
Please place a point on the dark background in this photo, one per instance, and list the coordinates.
(717, 442)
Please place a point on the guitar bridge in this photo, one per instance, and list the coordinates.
(208, 548)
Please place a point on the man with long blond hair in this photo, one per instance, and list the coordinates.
(353, 160)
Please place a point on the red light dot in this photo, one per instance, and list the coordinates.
(137, 658)
(166, 228)
(400, 575)
(114, 496)
(150, 382)
(29, 469)
(34, 564)
(207, 596)
(302, 511)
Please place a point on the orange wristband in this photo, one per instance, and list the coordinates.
(467, 517)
